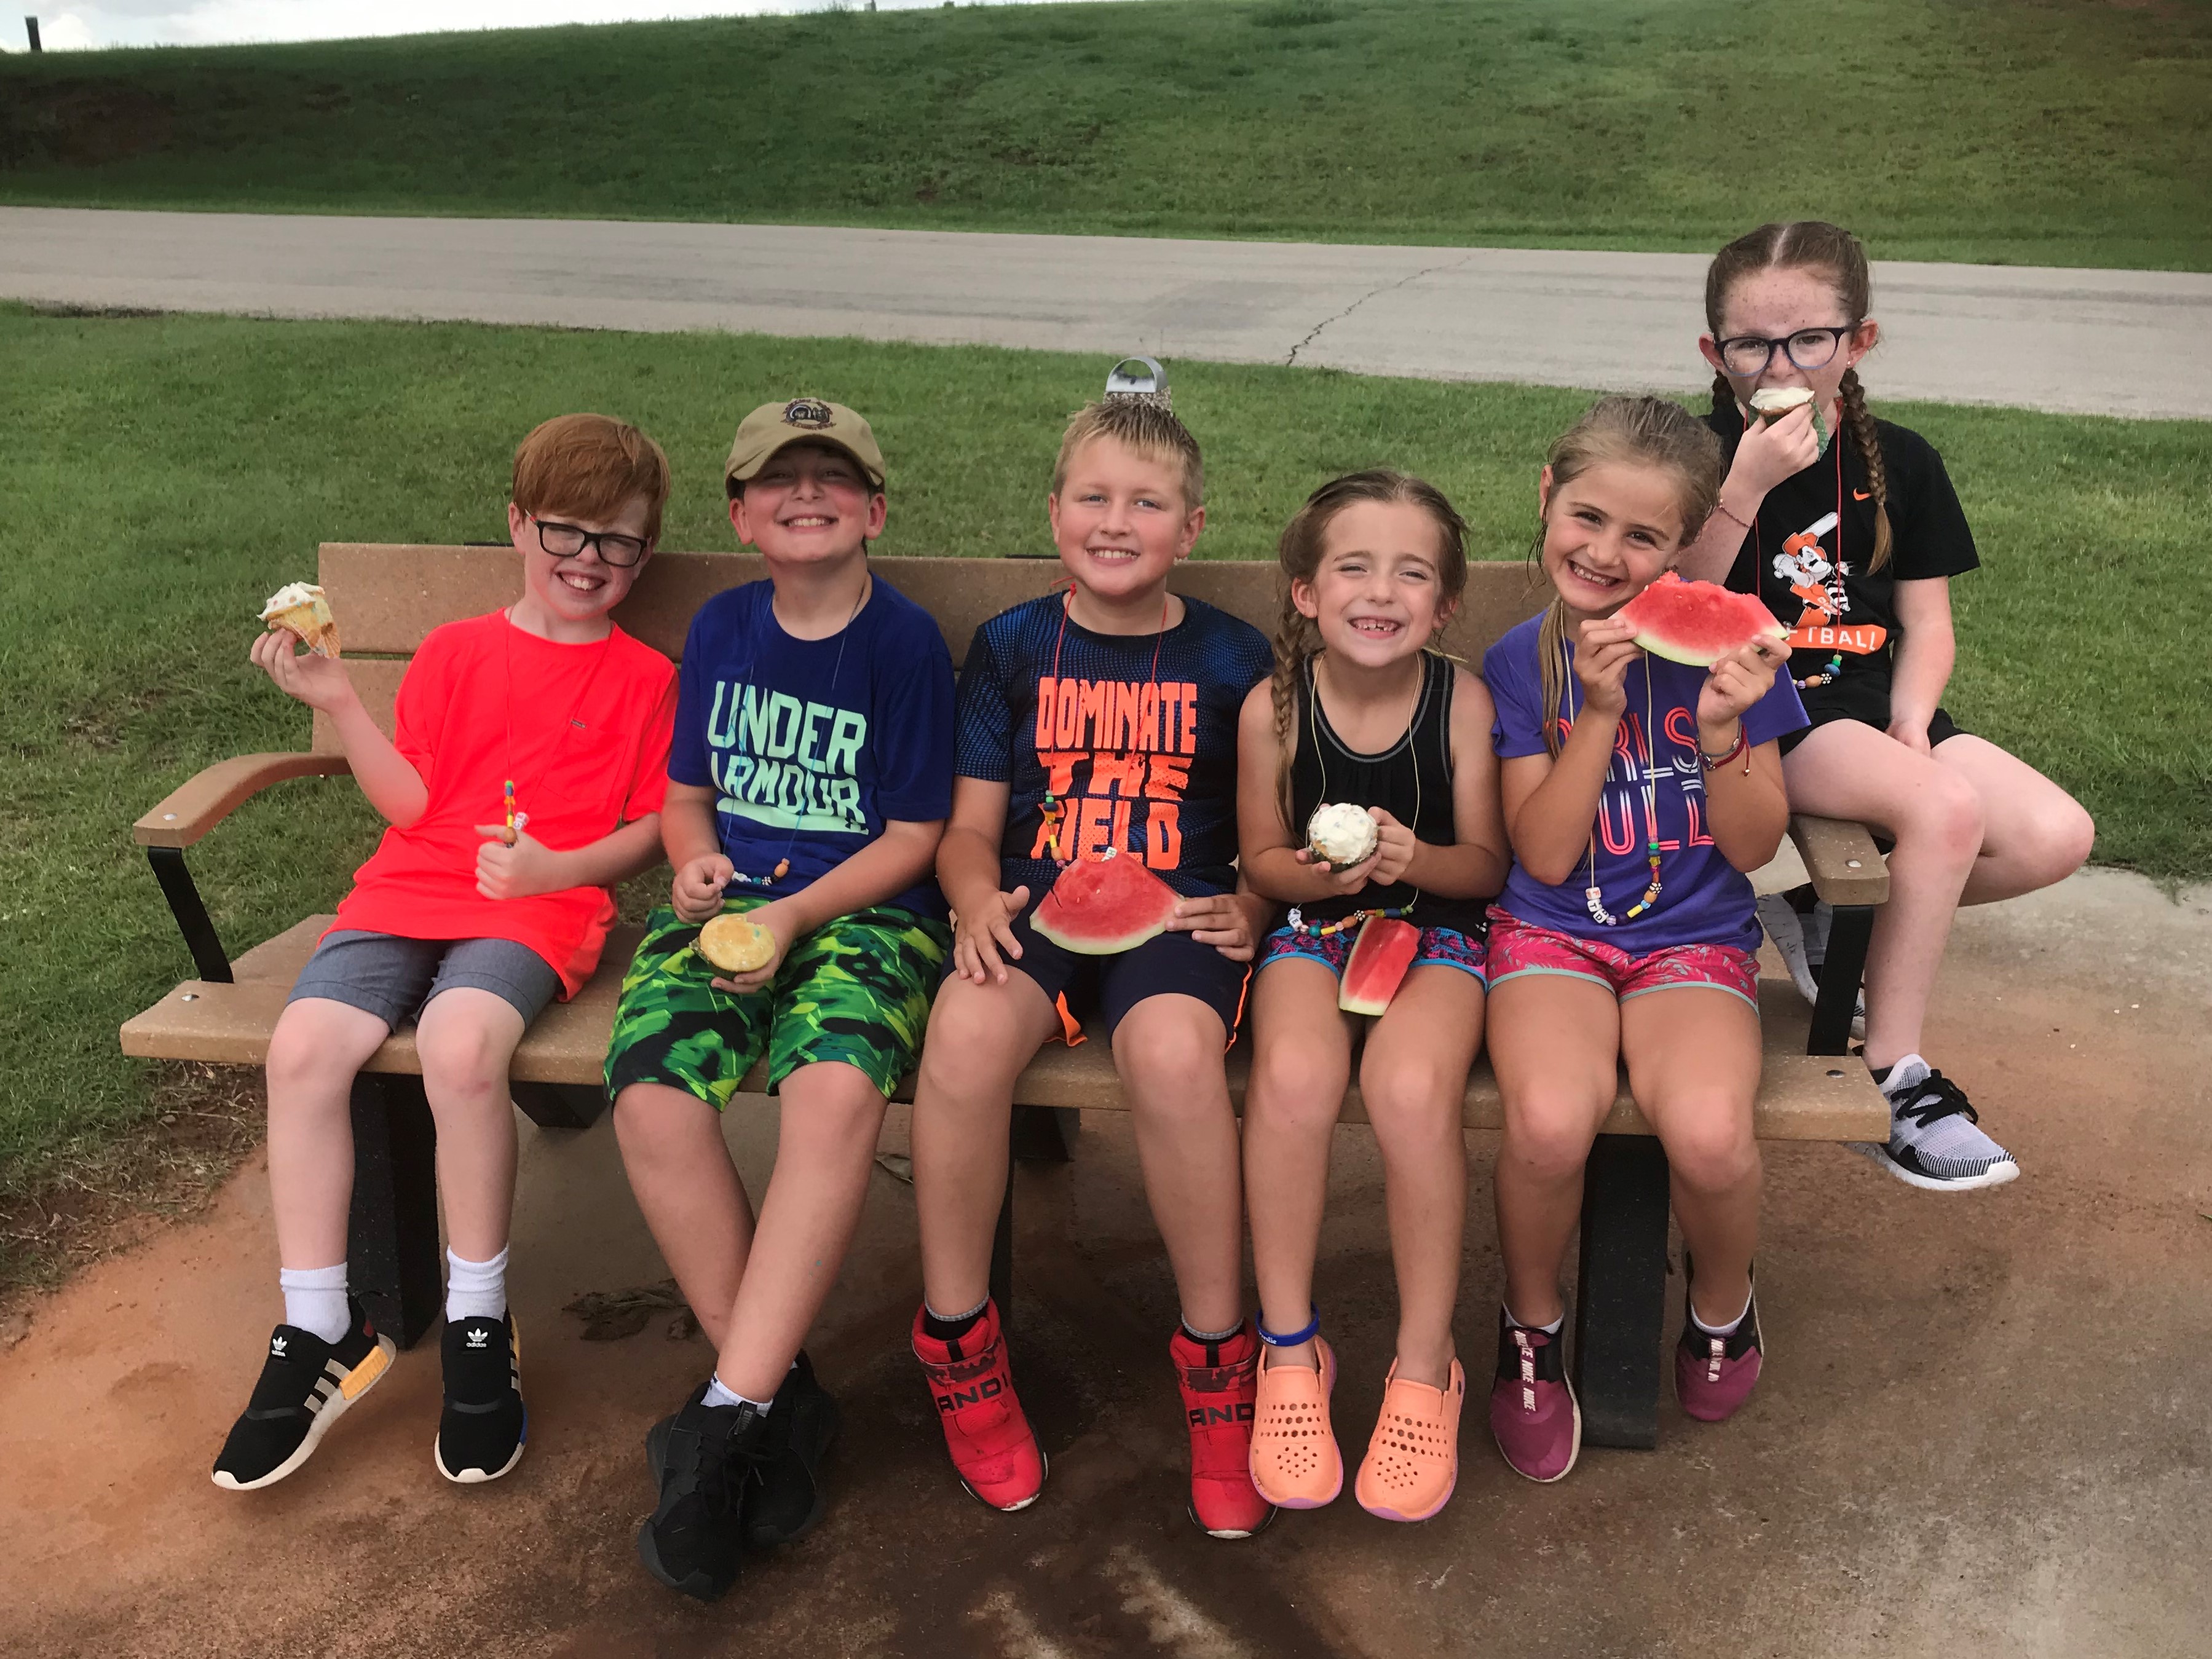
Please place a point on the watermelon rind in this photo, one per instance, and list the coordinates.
(1671, 612)
(1377, 964)
(1102, 907)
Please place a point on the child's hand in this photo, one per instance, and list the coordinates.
(1911, 729)
(773, 917)
(696, 895)
(982, 940)
(528, 867)
(1601, 660)
(1225, 920)
(1732, 685)
(318, 682)
(1341, 883)
(1394, 849)
(1774, 450)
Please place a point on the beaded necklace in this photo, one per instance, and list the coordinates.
(1296, 921)
(1593, 899)
(1052, 808)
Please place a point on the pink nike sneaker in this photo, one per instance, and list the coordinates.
(1532, 1414)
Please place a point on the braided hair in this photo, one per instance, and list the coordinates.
(1834, 252)
(1298, 639)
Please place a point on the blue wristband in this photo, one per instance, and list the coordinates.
(1312, 1330)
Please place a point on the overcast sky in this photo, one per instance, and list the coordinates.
(70, 26)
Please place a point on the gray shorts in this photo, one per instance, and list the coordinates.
(395, 978)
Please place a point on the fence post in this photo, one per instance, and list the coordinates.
(31, 27)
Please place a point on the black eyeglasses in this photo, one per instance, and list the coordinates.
(1809, 348)
(565, 541)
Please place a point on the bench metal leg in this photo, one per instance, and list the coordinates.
(393, 1258)
(560, 1105)
(1620, 1307)
(1850, 929)
(1041, 1134)
(208, 955)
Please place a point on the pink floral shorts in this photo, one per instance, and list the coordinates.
(1516, 949)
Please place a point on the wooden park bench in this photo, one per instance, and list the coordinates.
(388, 598)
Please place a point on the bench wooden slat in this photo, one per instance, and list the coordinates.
(1802, 1097)
(208, 796)
(1842, 859)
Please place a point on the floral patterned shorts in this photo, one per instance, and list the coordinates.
(1440, 947)
(1515, 949)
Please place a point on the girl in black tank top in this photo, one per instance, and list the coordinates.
(1362, 715)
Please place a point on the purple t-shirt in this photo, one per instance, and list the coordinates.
(1703, 898)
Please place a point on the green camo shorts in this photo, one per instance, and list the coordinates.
(857, 989)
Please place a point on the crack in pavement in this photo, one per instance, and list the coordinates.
(1414, 277)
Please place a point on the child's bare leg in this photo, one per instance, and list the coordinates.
(1413, 1077)
(1301, 1062)
(980, 1038)
(825, 1148)
(1169, 1050)
(680, 1170)
(465, 1037)
(314, 1053)
(1692, 1056)
(2033, 832)
(1846, 769)
(1554, 1043)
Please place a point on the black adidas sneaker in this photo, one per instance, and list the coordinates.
(306, 1385)
(484, 1424)
(706, 1462)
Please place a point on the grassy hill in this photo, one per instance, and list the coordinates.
(2046, 131)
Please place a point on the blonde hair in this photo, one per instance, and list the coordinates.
(1834, 252)
(1640, 432)
(1298, 641)
(1145, 424)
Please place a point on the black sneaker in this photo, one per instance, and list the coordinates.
(707, 1463)
(484, 1424)
(802, 1425)
(306, 1386)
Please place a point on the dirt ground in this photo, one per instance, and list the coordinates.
(1985, 1427)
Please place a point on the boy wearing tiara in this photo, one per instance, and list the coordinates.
(810, 776)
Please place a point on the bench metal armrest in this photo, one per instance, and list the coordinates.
(207, 798)
(1841, 859)
(193, 809)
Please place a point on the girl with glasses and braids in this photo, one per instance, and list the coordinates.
(1848, 528)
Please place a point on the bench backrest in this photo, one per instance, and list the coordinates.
(387, 597)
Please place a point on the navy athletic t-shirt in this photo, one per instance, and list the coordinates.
(810, 745)
(1135, 733)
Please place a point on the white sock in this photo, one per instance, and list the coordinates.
(315, 1300)
(717, 1395)
(475, 1290)
(1552, 1329)
(1728, 1329)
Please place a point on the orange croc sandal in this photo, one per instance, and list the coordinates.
(1412, 1462)
(1295, 1461)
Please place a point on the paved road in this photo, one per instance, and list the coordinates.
(2097, 342)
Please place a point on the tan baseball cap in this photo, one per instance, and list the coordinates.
(772, 426)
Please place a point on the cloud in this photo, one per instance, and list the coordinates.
(219, 22)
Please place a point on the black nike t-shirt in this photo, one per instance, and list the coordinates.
(1806, 557)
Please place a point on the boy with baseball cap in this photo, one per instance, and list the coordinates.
(810, 776)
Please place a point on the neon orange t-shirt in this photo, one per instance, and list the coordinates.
(583, 732)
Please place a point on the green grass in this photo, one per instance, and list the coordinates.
(2025, 131)
(164, 474)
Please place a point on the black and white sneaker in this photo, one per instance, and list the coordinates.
(1797, 922)
(707, 1461)
(306, 1385)
(1935, 1141)
(484, 1424)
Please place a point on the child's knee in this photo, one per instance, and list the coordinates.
(2065, 833)
(1290, 1086)
(462, 1056)
(1712, 1150)
(969, 1024)
(1547, 1137)
(1413, 1089)
(305, 1053)
(1947, 817)
(653, 1119)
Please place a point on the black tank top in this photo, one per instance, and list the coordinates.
(1412, 781)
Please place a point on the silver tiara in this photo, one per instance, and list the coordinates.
(1139, 380)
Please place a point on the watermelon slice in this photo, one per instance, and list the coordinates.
(1100, 907)
(1697, 623)
(1377, 964)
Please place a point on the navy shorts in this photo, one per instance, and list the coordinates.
(1080, 986)
(395, 978)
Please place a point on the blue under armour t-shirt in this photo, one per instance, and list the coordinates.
(811, 745)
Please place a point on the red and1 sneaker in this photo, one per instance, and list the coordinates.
(997, 1456)
(1220, 1382)
(1533, 1412)
(1715, 1375)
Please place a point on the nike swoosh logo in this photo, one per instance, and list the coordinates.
(1858, 494)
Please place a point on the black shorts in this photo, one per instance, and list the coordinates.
(1081, 986)
(1868, 710)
